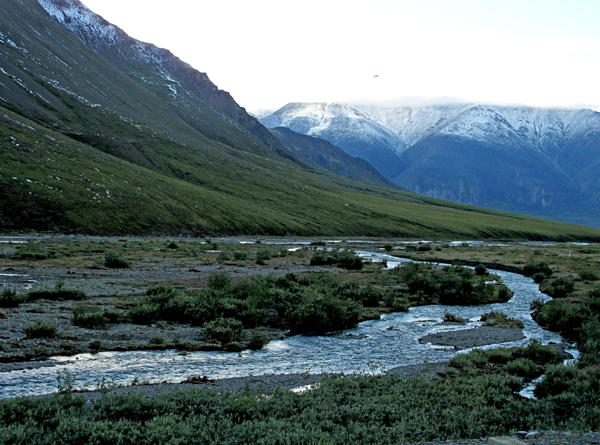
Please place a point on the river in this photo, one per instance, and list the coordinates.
(378, 344)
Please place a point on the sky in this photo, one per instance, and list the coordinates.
(268, 53)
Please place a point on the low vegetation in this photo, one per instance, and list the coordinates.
(501, 320)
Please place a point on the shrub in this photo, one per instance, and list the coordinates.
(452, 318)
(424, 248)
(218, 281)
(557, 380)
(561, 288)
(258, 339)
(500, 319)
(31, 251)
(540, 354)
(531, 269)
(345, 259)
(538, 277)
(524, 367)
(57, 293)
(88, 317)
(10, 298)
(316, 313)
(223, 330)
(222, 257)
(262, 256)
(240, 256)
(371, 296)
(172, 245)
(156, 340)
(144, 313)
(499, 355)
(388, 247)
(481, 270)
(589, 274)
(41, 329)
(113, 261)
(95, 345)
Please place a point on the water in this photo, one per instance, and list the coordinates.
(386, 343)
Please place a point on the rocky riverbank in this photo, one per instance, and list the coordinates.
(478, 336)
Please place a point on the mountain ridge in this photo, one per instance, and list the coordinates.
(564, 141)
(94, 142)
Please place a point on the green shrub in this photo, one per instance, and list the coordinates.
(531, 269)
(57, 294)
(388, 247)
(10, 298)
(524, 367)
(144, 313)
(218, 281)
(262, 256)
(258, 339)
(499, 355)
(540, 354)
(561, 288)
(424, 247)
(223, 330)
(88, 317)
(113, 261)
(31, 251)
(558, 379)
(240, 256)
(222, 257)
(371, 296)
(172, 245)
(589, 274)
(452, 318)
(345, 259)
(95, 345)
(481, 270)
(41, 329)
(317, 313)
(500, 319)
(156, 340)
(538, 277)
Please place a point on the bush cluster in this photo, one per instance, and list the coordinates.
(113, 261)
(342, 410)
(345, 259)
(10, 298)
(530, 269)
(500, 319)
(41, 329)
(309, 303)
(450, 285)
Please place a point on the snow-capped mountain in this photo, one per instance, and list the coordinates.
(540, 158)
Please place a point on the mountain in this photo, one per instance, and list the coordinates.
(325, 155)
(103, 134)
(540, 162)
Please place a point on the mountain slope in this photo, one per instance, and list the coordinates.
(541, 162)
(324, 155)
(94, 140)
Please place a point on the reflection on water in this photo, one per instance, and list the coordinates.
(391, 341)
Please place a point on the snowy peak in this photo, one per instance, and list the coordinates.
(98, 33)
(536, 128)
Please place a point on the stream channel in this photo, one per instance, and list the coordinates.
(378, 344)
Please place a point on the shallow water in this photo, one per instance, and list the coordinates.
(373, 345)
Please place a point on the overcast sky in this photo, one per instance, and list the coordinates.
(267, 53)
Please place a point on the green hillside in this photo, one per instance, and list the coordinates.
(93, 142)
